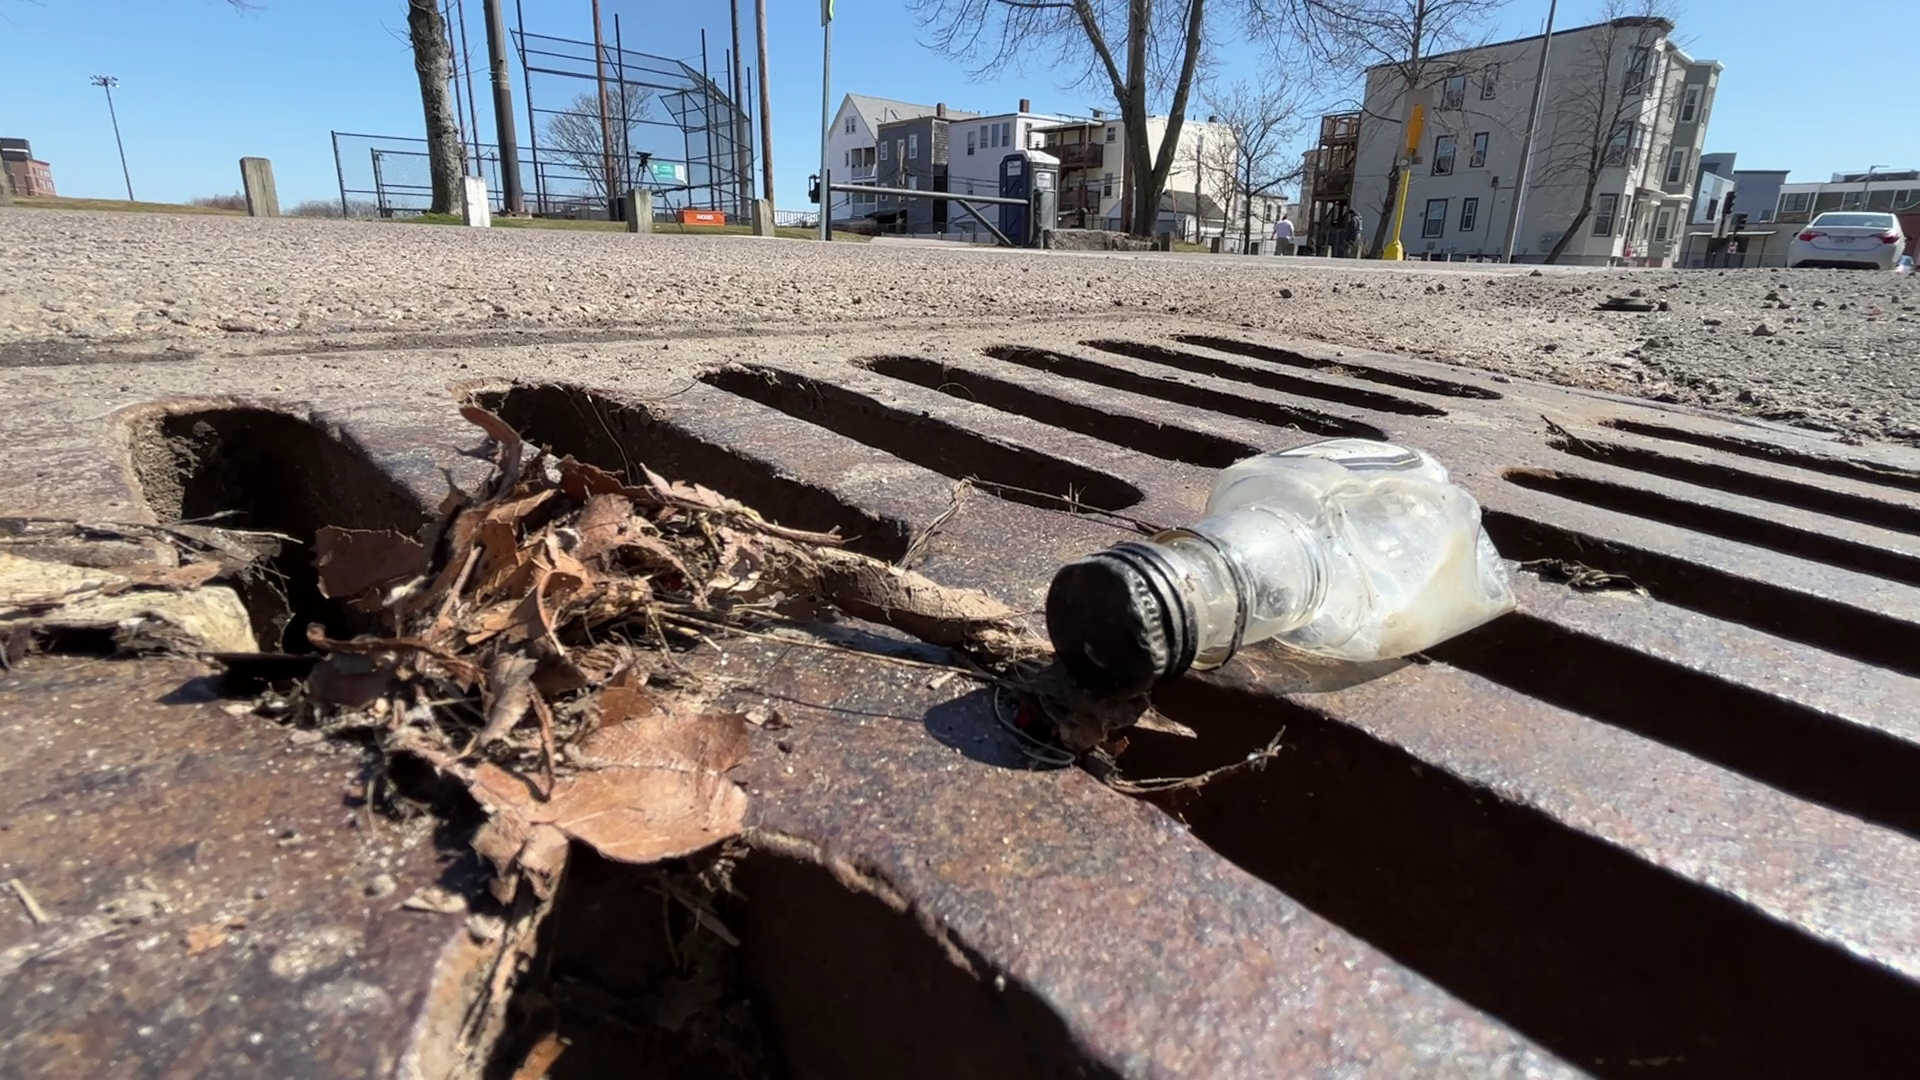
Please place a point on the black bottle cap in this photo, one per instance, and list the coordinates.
(1118, 622)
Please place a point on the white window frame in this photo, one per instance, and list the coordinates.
(1690, 105)
(1477, 159)
(883, 150)
(1434, 227)
(913, 146)
(1450, 154)
(1619, 151)
(1677, 165)
(1639, 67)
(1469, 214)
(1113, 133)
(1106, 185)
(1489, 82)
(1610, 217)
(970, 143)
(1453, 91)
(849, 125)
(1663, 224)
(1006, 133)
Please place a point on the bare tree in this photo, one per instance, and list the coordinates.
(575, 134)
(1257, 158)
(1147, 53)
(432, 61)
(1404, 35)
(1597, 121)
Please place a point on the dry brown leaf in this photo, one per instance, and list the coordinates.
(600, 524)
(462, 670)
(579, 480)
(199, 939)
(502, 433)
(655, 787)
(350, 681)
(510, 685)
(935, 613)
(352, 561)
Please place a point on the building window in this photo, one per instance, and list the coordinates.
(1663, 224)
(1850, 200)
(1006, 133)
(1690, 106)
(1606, 208)
(883, 151)
(970, 142)
(1112, 133)
(986, 136)
(1469, 214)
(1434, 225)
(1443, 155)
(849, 159)
(1478, 160)
(1490, 82)
(1794, 203)
(913, 145)
(1453, 92)
(1676, 165)
(1906, 199)
(1620, 144)
(1639, 59)
(849, 125)
(1106, 185)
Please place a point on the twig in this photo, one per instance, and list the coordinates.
(34, 911)
(1074, 506)
(1256, 760)
(918, 548)
(545, 714)
(827, 645)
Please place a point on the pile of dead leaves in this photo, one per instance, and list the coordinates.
(528, 646)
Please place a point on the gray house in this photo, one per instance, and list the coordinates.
(912, 153)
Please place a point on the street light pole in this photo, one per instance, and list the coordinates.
(1866, 185)
(107, 83)
(1526, 144)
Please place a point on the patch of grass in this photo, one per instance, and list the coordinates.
(60, 202)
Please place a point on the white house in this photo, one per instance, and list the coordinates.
(1622, 86)
(853, 147)
(1094, 169)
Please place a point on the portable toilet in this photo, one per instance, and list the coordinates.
(1032, 176)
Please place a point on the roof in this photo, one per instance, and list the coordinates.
(1629, 21)
(877, 110)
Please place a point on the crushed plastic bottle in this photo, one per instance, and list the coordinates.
(1904, 266)
(1349, 548)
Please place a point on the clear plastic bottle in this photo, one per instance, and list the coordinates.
(1348, 548)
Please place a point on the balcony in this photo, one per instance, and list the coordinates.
(863, 172)
(1079, 155)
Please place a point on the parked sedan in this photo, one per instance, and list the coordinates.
(1849, 239)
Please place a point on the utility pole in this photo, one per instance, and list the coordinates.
(514, 198)
(606, 127)
(1526, 144)
(466, 70)
(107, 83)
(826, 117)
(766, 105)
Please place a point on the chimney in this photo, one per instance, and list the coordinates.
(1026, 104)
(1213, 119)
(940, 109)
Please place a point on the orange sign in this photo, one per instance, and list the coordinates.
(703, 217)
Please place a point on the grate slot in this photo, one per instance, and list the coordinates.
(1290, 358)
(1271, 380)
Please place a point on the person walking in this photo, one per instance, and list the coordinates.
(1350, 239)
(1283, 236)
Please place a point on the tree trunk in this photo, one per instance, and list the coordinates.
(1177, 108)
(432, 62)
(1579, 220)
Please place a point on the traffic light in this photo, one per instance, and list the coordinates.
(813, 188)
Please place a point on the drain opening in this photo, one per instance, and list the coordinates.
(823, 981)
(266, 471)
(620, 436)
(1164, 441)
(1290, 358)
(1854, 769)
(1726, 524)
(1866, 636)
(1271, 380)
(1840, 504)
(1015, 473)
(1601, 957)
(1265, 412)
(1885, 475)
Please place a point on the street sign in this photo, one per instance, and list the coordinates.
(667, 172)
(1415, 123)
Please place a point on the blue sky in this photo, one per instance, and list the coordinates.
(201, 86)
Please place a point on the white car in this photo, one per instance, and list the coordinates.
(1849, 238)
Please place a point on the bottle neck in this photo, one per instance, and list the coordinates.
(1247, 575)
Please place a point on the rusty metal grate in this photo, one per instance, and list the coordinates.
(1668, 825)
